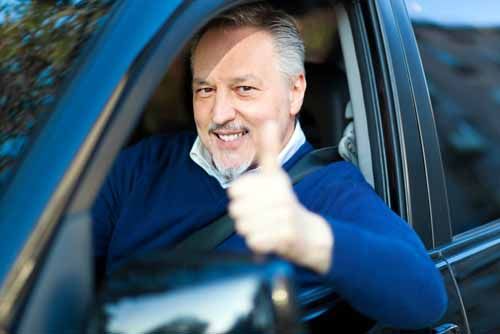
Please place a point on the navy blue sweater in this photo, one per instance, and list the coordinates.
(156, 195)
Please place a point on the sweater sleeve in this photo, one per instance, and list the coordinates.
(379, 265)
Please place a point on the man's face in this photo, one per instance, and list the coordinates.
(237, 86)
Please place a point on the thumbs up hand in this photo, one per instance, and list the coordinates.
(269, 216)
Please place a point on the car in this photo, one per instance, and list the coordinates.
(407, 89)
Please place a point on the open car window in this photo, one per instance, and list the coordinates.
(323, 114)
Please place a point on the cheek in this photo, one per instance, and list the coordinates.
(201, 116)
(258, 111)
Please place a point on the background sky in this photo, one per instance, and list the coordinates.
(456, 12)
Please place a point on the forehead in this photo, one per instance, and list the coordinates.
(234, 52)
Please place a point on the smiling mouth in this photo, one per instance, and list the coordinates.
(229, 137)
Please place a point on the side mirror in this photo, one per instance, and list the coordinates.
(178, 293)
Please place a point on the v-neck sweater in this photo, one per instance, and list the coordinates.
(155, 196)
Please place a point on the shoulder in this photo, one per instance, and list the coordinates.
(337, 173)
(147, 156)
(157, 149)
(345, 170)
(334, 183)
(151, 153)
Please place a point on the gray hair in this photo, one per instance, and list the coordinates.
(282, 27)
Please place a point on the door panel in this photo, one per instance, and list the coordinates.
(455, 313)
(63, 292)
(476, 265)
(459, 55)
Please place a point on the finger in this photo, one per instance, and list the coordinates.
(268, 148)
(258, 184)
(259, 207)
(245, 184)
(260, 243)
(248, 225)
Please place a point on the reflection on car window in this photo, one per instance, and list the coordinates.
(460, 50)
(40, 41)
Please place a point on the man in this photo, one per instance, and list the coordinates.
(248, 87)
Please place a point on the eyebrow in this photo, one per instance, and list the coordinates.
(245, 78)
(236, 80)
(200, 82)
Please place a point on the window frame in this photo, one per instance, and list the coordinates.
(414, 170)
(432, 155)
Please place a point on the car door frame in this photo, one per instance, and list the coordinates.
(408, 77)
(417, 184)
(468, 252)
(471, 251)
(411, 140)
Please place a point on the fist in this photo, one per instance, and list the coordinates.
(270, 218)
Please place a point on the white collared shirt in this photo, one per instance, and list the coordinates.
(200, 155)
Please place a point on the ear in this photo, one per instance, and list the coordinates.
(297, 91)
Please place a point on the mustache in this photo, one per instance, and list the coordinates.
(231, 126)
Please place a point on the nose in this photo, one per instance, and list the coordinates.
(222, 111)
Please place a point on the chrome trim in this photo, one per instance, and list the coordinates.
(482, 230)
(311, 295)
(441, 264)
(473, 251)
(460, 299)
(446, 329)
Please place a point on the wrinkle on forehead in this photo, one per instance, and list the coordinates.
(229, 51)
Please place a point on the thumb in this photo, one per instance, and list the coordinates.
(268, 146)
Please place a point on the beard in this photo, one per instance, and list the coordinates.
(218, 159)
(230, 173)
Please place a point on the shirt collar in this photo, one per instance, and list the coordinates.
(200, 155)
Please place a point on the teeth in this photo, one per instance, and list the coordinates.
(230, 137)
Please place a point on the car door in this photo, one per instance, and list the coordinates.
(439, 71)
(460, 56)
(403, 133)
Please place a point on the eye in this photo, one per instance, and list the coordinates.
(245, 90)
(204, 91)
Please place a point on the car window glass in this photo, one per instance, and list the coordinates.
(460, 49)
(40, 41)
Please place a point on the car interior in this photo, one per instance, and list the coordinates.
(325, 114)
(328, 117)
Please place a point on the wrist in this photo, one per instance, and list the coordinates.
(319, 245)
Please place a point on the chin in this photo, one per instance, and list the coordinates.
(230, 167)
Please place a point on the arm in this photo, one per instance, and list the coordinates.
(372, 257)
(347, 234)
(378, 262)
